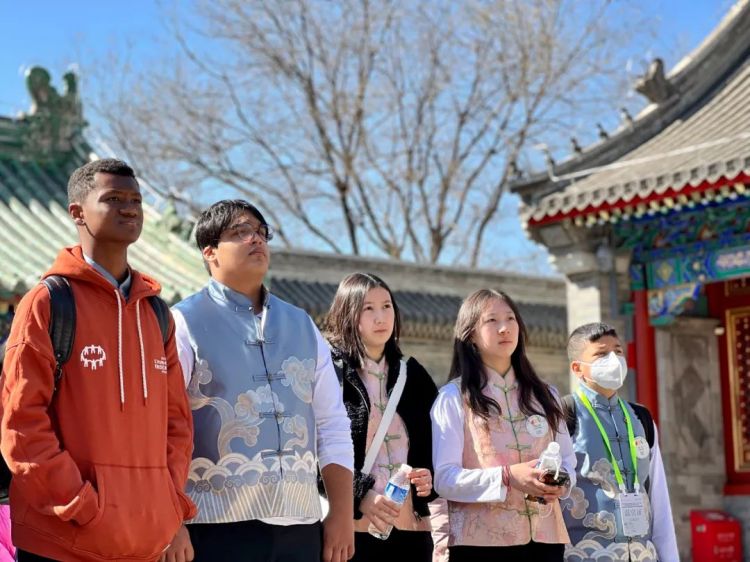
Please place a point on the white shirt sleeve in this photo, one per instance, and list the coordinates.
(184, 349)
(569, 460)
(663, 533)
(452, 481)
(334, 436)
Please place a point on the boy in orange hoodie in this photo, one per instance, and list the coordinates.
(99, 463)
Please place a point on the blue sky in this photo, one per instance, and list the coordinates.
(58, 34)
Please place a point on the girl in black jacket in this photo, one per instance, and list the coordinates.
(363, 328)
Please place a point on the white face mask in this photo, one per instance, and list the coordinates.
(609, 372)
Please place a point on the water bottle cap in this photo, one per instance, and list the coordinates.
(405, 468)
(553, 447)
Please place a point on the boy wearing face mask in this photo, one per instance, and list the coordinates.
(619, 509)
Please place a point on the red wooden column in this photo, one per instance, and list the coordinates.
(645, 360)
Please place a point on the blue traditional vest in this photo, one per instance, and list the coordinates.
(591, 513)
(251, 394)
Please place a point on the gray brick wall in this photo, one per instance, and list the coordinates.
(690, 425)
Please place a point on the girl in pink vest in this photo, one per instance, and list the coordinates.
(363, 328)
(491, 423)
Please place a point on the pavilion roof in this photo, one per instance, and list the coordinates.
(691, 144)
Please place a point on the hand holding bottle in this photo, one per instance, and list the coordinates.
(527, 478)
(381, 511)
(397, 490)
(550, 463)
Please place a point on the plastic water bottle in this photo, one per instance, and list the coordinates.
(397, 491)
(550, 461)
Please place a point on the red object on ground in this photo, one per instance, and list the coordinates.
(716, 536)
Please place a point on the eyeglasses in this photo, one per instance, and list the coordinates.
(246, 231)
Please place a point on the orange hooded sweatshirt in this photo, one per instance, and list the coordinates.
(100, 463)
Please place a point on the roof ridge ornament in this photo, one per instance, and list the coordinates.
(654, 85)
(54, 121)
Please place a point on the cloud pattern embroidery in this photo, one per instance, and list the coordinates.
(300, 375)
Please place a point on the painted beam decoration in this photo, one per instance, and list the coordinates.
(704, 267)
(675, 282)
(675, 254)
(707, 224)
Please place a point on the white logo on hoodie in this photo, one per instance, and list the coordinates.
(93, 356)
(160, 364)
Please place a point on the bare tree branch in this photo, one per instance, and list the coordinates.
(371, 126)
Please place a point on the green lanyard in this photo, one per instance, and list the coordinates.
(631, 442)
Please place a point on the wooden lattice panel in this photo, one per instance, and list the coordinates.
(738, 342)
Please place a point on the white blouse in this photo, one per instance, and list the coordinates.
(456, 483)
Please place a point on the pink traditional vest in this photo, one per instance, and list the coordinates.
(505, 440)
(395, 448)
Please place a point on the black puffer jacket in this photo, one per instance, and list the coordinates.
(413, 407)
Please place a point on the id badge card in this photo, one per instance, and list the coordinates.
(633, 515)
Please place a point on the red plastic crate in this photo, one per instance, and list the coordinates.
(717, 537)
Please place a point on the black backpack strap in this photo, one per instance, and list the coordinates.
(62, 320)
(569, 409)
(647, 421)
(161, 309)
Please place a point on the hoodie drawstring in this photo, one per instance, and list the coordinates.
(119, 349)
(143, 355)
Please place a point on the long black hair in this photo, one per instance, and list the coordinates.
(342, 321)
(534, 394)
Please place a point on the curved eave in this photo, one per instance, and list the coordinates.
(695, 79)
(706, 148)
(657, 202)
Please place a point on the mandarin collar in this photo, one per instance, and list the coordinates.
(496, 378)
(377, 366)
(220, 292)
(597, 399)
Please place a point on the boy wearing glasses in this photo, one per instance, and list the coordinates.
(267, 410)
